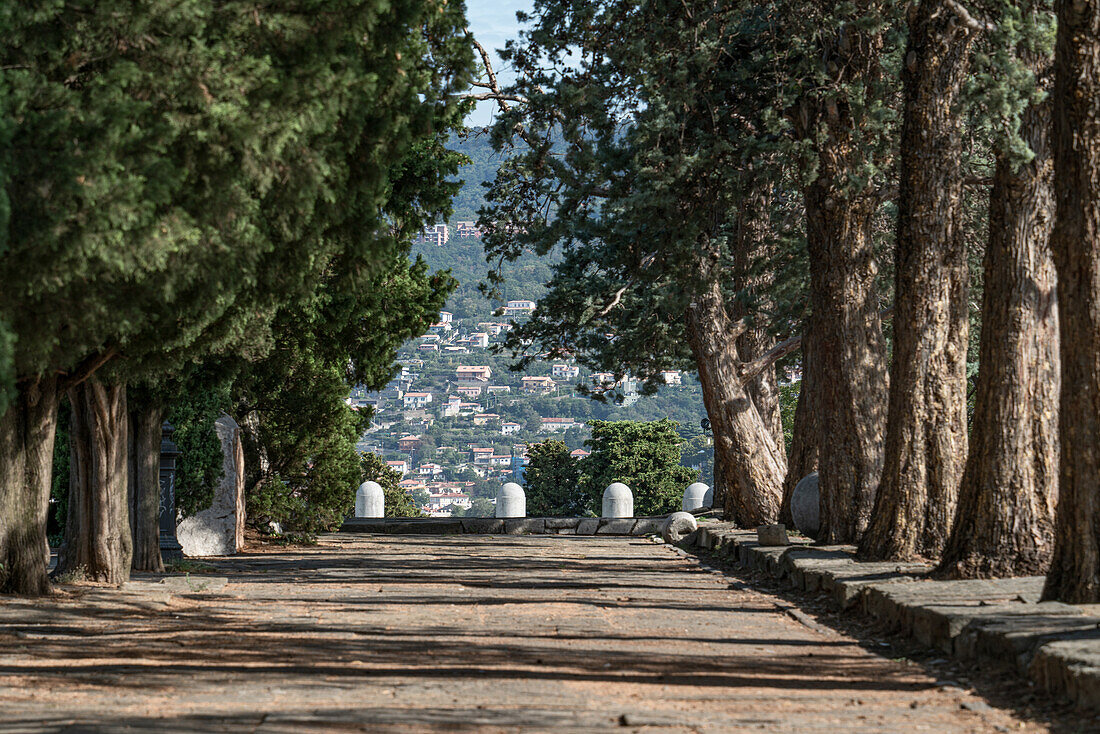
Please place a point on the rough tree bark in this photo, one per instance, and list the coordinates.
(850, 398)
(802, 457)
(1074, 574)
(143, 492)
(850, 353)
(926, 428)
(97, 530)
(26, 444)
(752, 249)
(1005, 520)
(752, 470)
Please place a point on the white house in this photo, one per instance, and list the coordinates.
(519, 308)
(429, 469)
(509, 427)
(414, 400)
(401, 466)
(479, 339)
(559, 424)
(671, 377)
(563, 371)
(445, 317)
(469, 391)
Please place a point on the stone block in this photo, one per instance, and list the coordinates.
(363, 525)
(525, 526)
(219, 529)
(677, 526)
(561, 523)
(772, 535)
(588, 526)
(615, 526)
(648, 526)
(482, 525)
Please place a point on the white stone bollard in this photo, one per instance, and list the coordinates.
(806, 505)
(370, 500)
(511, 501)
(618, 501)
(708, 498)
(695, 496)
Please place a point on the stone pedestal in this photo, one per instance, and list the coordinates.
(511, 501)
(618, 501)
(219, 529)
(695, 497)
(370, 500)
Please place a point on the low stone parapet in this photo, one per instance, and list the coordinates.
(635, 526)
(997, 621)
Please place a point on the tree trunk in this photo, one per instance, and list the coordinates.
(850, 352)
(97, 531)
(1005, 520)
(26, 467)
(1074, 574)
(926, 428)
(752, 471)
(144, 484)
(802, 458)
(754, 281)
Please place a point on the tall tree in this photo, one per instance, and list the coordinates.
(551, 480)
(926, 427)
(1074, 575)
(1004, 525)
(636, 183)
(843, 119)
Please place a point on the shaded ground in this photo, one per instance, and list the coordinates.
(457, 633)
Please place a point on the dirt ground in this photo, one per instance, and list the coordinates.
(471, 633)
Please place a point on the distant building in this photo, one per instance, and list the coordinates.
(479, 339)
(408, 443)
(473, 372)
(400, 465)
(456, 350)
(563, 371)
(494, 389)
(466, 228)
(603, 378)
(452, 406)
(483, 418)
(445, 317)
(469, 391)
(559, 424)
(413, 400)
(491, 327)
(427, 347)
(437, 235)
(671, 377)
(537, 384)
(510, 427)
(579, 453)
(429, 470)
(440, 327)
(470, 408)
(519, 308)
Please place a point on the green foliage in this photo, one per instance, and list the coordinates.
(479, 507)
(59, 485)
(200, 463)
(398, 502)
(788, 403)
(551, 482)
(643, 455)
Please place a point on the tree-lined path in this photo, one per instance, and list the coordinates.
(456, 633)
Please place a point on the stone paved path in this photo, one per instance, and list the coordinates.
(456, 633)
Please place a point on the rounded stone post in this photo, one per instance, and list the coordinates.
(511, 501)
(806, 505)
(370, 501)
(695, 497)
(618, 501)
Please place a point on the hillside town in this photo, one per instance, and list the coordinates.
(456, 421)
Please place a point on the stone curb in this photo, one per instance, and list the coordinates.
(999, 621)
(510, 526)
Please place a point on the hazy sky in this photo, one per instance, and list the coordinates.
(493, 22)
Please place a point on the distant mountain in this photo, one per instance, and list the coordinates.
(483, 166)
